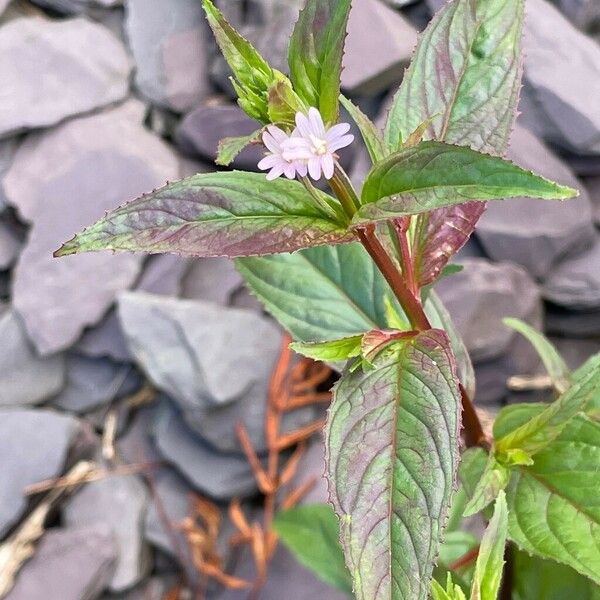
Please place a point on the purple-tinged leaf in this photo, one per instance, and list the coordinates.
(219, 214)
(467, 68)
(315, 54)
(392, 455)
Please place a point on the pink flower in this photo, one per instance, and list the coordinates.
(315, 144)
(275, 140)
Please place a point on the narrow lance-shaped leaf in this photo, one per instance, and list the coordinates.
(434, 175)
(372, 137)
(488, 569)
(536, 434)
(392, 455)
(218, 214)
(467, 67)
(335, 350)
(315, 54)
(553, 362)
(312, 534)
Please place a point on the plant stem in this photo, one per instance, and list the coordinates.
(411, 305)
(406, 262)
(404, 287)
(474, 434)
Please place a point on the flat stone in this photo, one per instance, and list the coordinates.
(536, 233)
(576, 351)
(162, 274)
(25, 378)
(71, 7)
(90, 383)
(190, 348)
(69, 563)
(51, 435)
(32, 48)
(480, 296)
(373, 62)
(201, 130)
(169, 41)
(221, 476)
(211, 279)
(592, 185)
(8, 148)
(10, 245)
(570, 323)
(562, 73)
(58, 298)
(285, 573)
(575, 282)
(155, 588)
(120, 504)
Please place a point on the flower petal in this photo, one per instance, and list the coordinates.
(303, 125)
(268, 162)
(314, 168)
(301, 168)
(316, 123)
(328, 165)
(341, 142)
(275, 172)
(337, 131)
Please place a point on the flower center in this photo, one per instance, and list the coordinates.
(319, 146)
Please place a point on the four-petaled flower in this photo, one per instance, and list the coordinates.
(310, 148)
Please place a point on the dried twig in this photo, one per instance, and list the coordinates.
(20, 546)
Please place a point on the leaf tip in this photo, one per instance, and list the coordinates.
(68, 248)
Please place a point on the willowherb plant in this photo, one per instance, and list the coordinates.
(359, 291)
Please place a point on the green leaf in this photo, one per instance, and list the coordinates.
(334, 350)
(328, 293)
(545, 579)
(370, 133)
(315, 54)
(553, 361)
(434, 175)
(537, 433)
(467, 66)
(230, 147)
(553, 507)
(324, 293)
(392, 454)
(218, 214)
(253, 74)
(591, 365)
(452, 591)
(493, 480)
(490, 560)
(311, 532)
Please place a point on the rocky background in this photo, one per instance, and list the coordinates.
(121, 359)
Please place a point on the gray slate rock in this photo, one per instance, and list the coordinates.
(10, 245)
(570, 323)
(71, 7)
(3, 5)
(8, 148)
(562, 74)
(211, 279)
(21, 431)
(374, 61)
(285, 573)
(162, 274)
(201, 130)
(575, 282)
(592, 185)
(68, 564)
(480, 296)
(576, 351)
(25, 378)
(90, 383)
(221, 476)
(31, 49)
(536, 233)
(189, 349)
(155, 588)
(58, 298)
(118, 503)
(168, 41)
